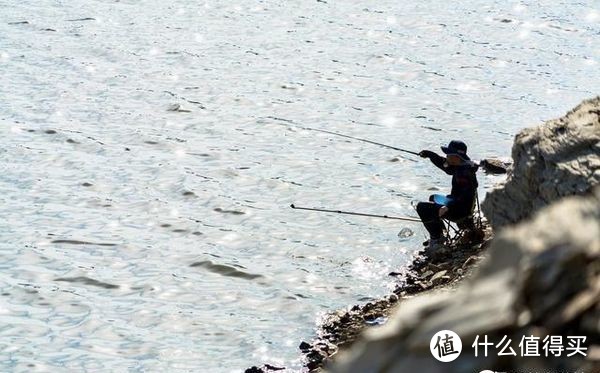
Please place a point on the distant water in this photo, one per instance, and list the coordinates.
(149, 156)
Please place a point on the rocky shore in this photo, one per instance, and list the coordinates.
(539, 276)
(339, 329)
(541, 273)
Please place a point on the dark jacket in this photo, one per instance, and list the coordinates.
(464, 184)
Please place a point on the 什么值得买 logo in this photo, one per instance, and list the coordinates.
(445, 346)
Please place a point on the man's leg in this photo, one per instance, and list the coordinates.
(429, 214)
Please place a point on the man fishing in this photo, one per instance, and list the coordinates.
(458, 205)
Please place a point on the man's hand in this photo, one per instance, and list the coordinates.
(442, 211)
(424, 153)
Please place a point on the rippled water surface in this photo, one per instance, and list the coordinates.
(150, 151)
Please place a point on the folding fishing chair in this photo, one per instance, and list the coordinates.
(467, 229)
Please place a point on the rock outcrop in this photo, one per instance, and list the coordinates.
(557, 159)
(541, 277)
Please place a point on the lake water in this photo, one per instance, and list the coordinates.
(150, 151)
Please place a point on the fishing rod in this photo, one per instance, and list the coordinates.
(356, 213)
(346, 136)
(364, 140)
(491, 165)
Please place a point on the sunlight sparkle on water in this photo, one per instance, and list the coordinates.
(180, 153)
(499, 63)
(366, 268)
(467, 86)
(523, 34)
(593, 16)
(408, 186)
(589, 61)
(519, 8)
(389, 120)
(228, 238)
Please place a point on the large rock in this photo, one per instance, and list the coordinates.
(542, 278)
(557, 159)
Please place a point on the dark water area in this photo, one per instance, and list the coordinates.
(150, 152)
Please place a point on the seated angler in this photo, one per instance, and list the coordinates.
(458, 205)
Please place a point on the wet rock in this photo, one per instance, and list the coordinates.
(345, 318)
(304, 346)
(272, 367)
(495, 166)
(557, 159)
(427, 274)
(312, 365)
(315, 356)
(177, 108)
(541, 279)
(438, 275)
(406, 233)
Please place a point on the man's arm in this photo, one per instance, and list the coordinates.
(437, 160)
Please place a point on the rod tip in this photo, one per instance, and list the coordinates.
(292, 206)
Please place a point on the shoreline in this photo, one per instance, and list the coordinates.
(340, 328)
